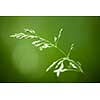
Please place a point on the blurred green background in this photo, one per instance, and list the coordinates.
(21, 62)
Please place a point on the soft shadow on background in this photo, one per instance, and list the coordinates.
(21, 62)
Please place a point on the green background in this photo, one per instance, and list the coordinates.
(21, 62)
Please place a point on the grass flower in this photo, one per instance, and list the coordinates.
(42, 44)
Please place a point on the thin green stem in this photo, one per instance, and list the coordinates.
(60, 50)
(69, 52)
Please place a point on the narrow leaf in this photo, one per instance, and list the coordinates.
(59, 35)
(58, 63)
(29, 30)
(59, 70)
(55, 39)
(73, 65)
(51, 66)
(35, 42)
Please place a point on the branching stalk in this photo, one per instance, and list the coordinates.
(42, 44)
